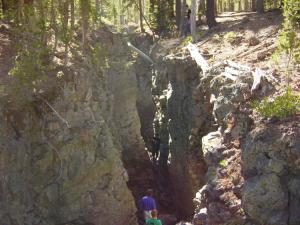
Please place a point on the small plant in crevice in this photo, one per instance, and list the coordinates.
(223, 163)
(281, 107)
(230, 37)
(187, 40)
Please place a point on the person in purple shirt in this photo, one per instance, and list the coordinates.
(147, 204)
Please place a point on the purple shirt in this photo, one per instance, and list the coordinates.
(147, 203)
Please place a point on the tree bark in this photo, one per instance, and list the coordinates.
(246, 5)
(97, 8)
(216, 7)
(220, 4)
(201, 9)
(193, 20)
(84, 8)
(72, 15)
(141, 16)
(231, 5)
(178, 13)
(152, 6)
(183, 14)
(171, 9)
(29, 2)
(260, 6)
(20, 10)
(5, 6)
(253, 5)
(210, 13)
(239, 6)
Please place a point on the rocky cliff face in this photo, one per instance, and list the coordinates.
(271, 168)
(180, 122)
(78, 156)
(187, 122)
(61, 159)
(219, 201)
(252, 168)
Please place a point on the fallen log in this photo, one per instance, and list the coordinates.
(262, 45)
(261, 55)
(140, 53)
(232, 71)
(195, 54)
(238, 66)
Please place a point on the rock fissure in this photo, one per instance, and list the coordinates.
(186, 134)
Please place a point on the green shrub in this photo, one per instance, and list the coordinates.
(282, 107)
(187, 40)
(230, 37)
(289, 41)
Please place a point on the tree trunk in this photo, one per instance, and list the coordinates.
(183, 12)
(231, 5)
(260, 6)
(42, 21)
(170, 9)
(210, 13)
(53, 24)
(178, 13)
(20, 10)
(246, 5)
(65, 22)
(152, 6)
(220, 4)
(193, 20)
(84, 9)
(216, 7)
(253, 5)
(5, 6)
(141, 16)
(97, 8)
(72, 3)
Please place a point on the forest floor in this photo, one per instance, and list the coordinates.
(246, 38)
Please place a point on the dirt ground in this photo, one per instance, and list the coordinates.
(247, 38)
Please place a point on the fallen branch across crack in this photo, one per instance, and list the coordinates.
(195, 54)
(56, 113)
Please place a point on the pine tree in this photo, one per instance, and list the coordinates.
(210, 13)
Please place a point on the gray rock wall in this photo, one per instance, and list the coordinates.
(186, 118)
(271, 168)
(180, 122)
(219, 201)
(66, 167)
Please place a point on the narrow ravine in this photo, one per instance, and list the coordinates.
(80, 150)
(179, 169)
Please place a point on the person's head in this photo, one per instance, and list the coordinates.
(201, 217)
(149, 192)
(154, 213)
